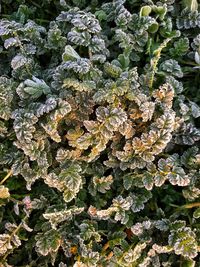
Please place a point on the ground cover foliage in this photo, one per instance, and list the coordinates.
(99, 133)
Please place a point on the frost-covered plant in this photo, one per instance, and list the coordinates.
(99, 133)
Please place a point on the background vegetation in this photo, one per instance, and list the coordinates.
(99, 133)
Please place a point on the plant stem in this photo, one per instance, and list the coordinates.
(6, 177)
(11, 235)
(90, 53)
(42, 20)
(191, 205)
(124, 253)
(16, 201)
(35, 4)
(106, 246)
(154, 61)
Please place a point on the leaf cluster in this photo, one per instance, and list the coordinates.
(99, 133)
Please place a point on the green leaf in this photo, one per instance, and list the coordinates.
(127, 181)
(188, 19)
(145, 11)
(139, 199)
(112, 70)
(147, 109)
(68, 195)
(69, 54)
(183, 241)
(101, 15)
(79, 38)
(78, 86)
(196, 213)
(19, 61)
(48, 242)
(13, 41)
(124, 61)
(148, 180)
(179, 177)
(197, 57)
(191, 4)
(159, 179)
(180, 47)
(35, 87)
(178, 224)
(6, 97)
(71, 178)
(56, 217)
(188, 263)
(89, 230)
(161, 11)
(195, 109)
(153, 28)
(188, 157)
(172, 67)
(102, 184)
